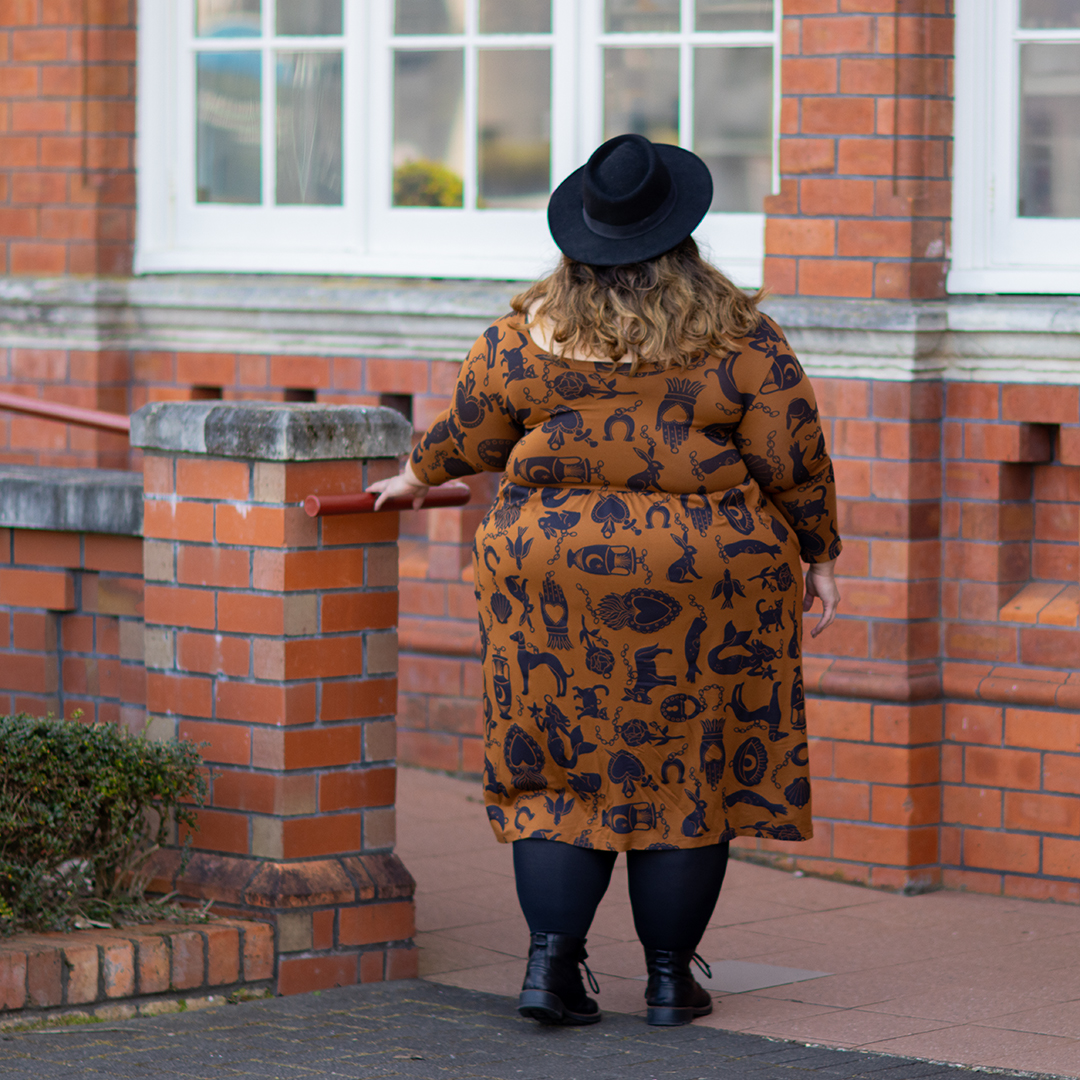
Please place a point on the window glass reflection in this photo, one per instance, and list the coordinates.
(429, 16)
(309, 128)
(514, 124)
(719, 15)
(515, 16)
(429, 127)
(228, 18)
(641, 93)
(228, 127)
(1049, 14)
(640, 16)
(1049, 178)
(733, 124)
(308, 17)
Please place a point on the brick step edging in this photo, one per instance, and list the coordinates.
(40, 973)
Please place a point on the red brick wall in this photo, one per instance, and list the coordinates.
(67, 136)
(71, 625)
(865, 149)
(90, 379)
(944, 708)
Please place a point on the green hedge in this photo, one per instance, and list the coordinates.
(82, 807)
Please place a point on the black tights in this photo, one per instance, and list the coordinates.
(672, 892)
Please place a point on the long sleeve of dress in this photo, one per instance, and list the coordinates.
(479, 429)
(783, 445)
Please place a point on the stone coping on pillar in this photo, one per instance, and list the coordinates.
(71, 500)
(267, 431)
(261, 884)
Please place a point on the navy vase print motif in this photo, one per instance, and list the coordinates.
(639, 588)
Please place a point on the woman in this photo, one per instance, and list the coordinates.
(638, 575)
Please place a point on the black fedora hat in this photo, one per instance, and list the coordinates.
(631, 201)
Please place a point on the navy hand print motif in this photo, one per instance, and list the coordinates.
(639, 585)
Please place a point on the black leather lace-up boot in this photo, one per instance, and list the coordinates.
(553, 991)
(673, 996)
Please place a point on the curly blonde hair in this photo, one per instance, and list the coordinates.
(666, 311)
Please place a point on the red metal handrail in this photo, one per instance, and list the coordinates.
(71, 414)
(363, 502)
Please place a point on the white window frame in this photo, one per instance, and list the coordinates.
(365, 235)
(994, 249)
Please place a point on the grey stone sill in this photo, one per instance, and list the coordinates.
(264, 431)
(971, 314)
(71, 500)
(474, 299)
(1027, 339)
(397, 317)
(253, 313)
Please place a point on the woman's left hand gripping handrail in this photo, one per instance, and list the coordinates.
(363, 502)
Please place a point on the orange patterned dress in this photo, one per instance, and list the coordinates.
(639, 587)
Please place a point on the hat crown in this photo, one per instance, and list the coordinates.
(625, 181)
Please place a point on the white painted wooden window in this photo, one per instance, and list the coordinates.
(423, 137)
(1016, 204)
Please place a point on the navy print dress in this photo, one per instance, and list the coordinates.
(639, 588)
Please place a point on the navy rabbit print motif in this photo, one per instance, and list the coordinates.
(639, 588)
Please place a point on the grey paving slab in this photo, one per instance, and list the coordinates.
(421, 1031)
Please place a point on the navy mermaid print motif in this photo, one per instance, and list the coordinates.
(639, 588)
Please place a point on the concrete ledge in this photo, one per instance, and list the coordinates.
(71, 500)
(967, 338)
(264, 431)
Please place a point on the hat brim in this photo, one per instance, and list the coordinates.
(694, 187)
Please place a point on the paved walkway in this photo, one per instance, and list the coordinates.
(947, 976)
(420, 1031)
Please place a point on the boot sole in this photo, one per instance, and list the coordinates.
(668, 1016)
(548, 1008)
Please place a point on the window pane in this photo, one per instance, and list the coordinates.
(309, 128)
(515, 16)
(228, 127)
(1042, 14)
(1050, 131)
(734, 15)
(429, 127)
(641, 93)
(733, 124)
(429, 16)
(227, 18)
(514, 124)
(305, 17)
(640, 16)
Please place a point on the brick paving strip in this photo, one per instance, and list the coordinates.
(421, 1030)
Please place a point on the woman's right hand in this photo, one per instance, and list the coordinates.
(821, 582)
(405, 485)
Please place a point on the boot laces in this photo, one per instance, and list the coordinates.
(698, 959)
(594, 986)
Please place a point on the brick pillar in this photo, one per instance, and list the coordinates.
(270, 641)
(865, 150)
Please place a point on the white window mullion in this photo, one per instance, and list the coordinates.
(568, 81)
(269, 110)
(471, 101)
(686, 76)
